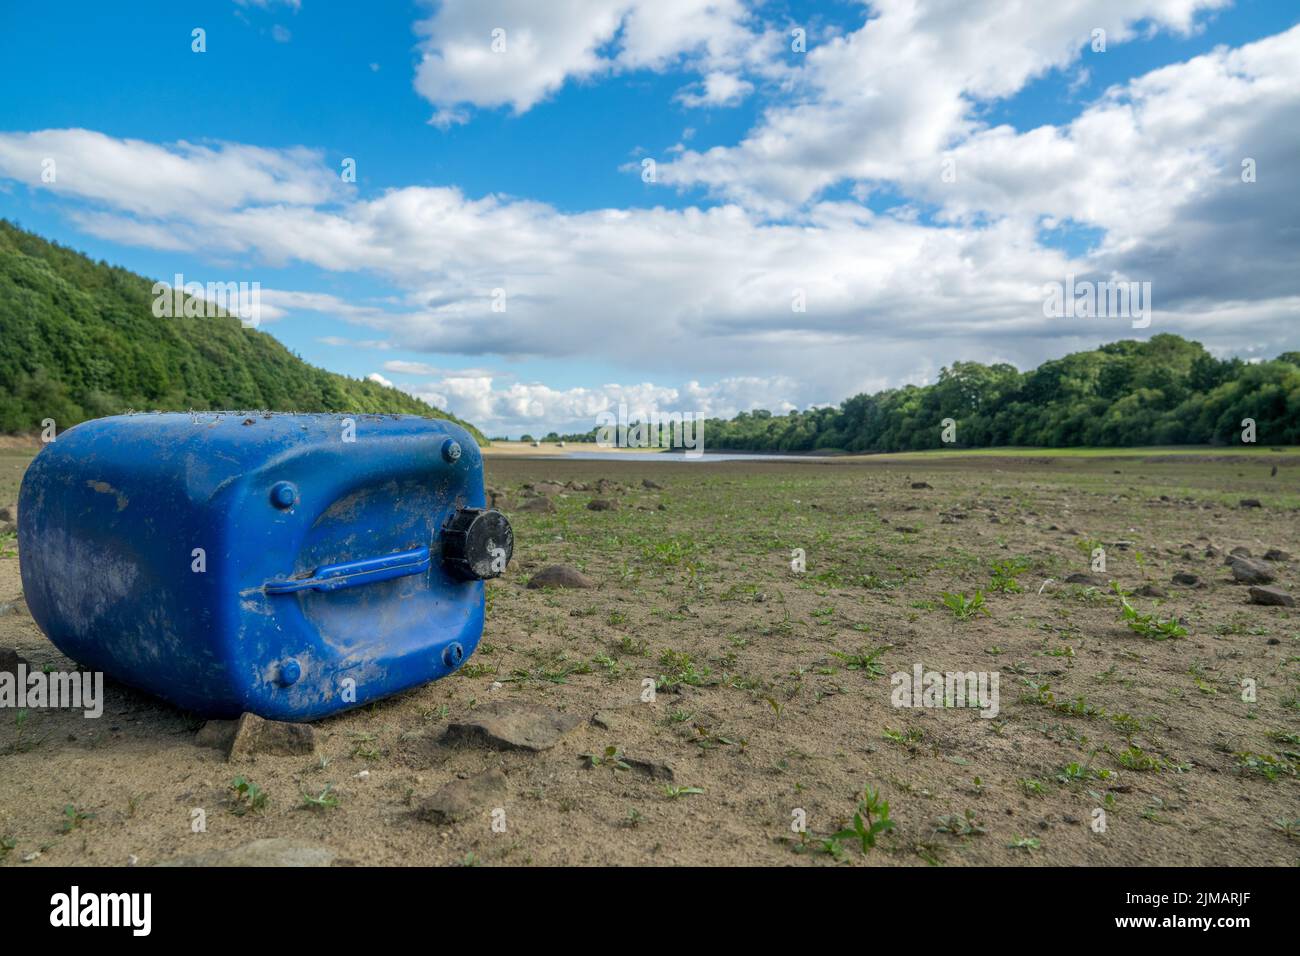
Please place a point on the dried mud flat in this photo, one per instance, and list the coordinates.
(773, 688)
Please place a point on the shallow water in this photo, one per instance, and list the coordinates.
(677, 457)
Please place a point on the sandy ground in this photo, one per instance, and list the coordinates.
(774, 689)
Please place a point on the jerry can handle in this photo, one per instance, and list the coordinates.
(334, 577)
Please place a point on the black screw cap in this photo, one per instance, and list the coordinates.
(477, 544)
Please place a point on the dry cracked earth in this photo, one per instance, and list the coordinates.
(676, 692)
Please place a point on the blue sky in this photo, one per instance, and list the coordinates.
(816, 172)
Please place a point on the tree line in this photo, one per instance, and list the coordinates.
(1163, 391)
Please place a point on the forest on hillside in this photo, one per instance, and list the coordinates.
(79, 340)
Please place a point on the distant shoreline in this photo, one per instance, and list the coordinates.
(1243, 452)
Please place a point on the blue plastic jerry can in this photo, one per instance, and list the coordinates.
(288, 565)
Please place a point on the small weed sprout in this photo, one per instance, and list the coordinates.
(246, 797)
(1148, 625)
(964, 608)
(870, 820)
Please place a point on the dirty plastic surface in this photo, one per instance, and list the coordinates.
(253, 562)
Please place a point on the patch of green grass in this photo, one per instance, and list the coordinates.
(964, 608)
(73, 819)
(246, 797)
(675, 793)
(865, 660)
(1033, 787)
(1005, 574)
(965, 825)
(680, 668)
(909, 739)
(1148, 625)
(1044, 696)
(1075, 773)
(20, 745)
(327, 799)
(1288, 828)
(630, 645)
(1135, 758)
(611, 758)
(1264, 765)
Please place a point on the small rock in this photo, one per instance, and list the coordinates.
(1238, 552)
(548, 488)
(498, 501)
(217, 734)
(1249, 503)
(1151, 591)
(511, 725)
(1083, 577)
(251, 735)
(579, 486)
(1276, 554)
(654, 769)
(9, 513)
(560, 576)
(919, 485)
(277, 851)
(1273, 597)
(539, 506)
(1248, 571)
(651, 485)
(600, 504)
(9, 661)
(463, 798)
(1187, 579)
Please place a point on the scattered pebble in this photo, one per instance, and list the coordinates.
(1272, 597)
(511, 725)
(463, 798)
(1250, 571)
(560, 576)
